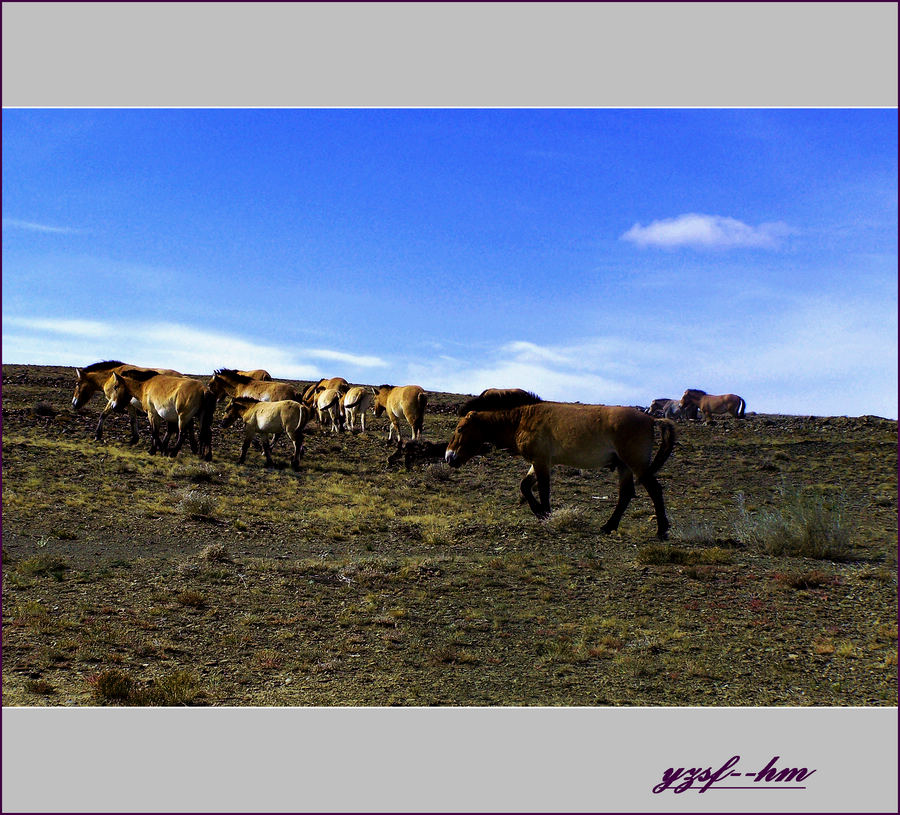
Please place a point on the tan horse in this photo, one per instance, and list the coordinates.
(328, 403)
(93, 378)
(408, 401)
(585, 436)
(228, 382)
(268, 418)
(166, 399)
(708, 405)
(355, 402)
(257, 373)
(312, 392)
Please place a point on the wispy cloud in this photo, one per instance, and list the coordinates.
(340, 356)
(32, 226)
(185, 348)
(708, 232)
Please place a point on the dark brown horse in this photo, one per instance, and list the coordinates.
(504, 397)
(708, 405)
(585, 436)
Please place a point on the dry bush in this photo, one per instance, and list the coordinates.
(806, 523)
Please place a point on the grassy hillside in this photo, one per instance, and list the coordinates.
(137, 579)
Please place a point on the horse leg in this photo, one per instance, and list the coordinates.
(626, 493)
(655, 491)
(297, 441)
(179, 440)
(135, 438)
(192, 437)
(539, 475)
(98, 433)
(267, 450)
(244, 447)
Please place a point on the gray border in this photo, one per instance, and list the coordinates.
(497, 54)
(449, 54)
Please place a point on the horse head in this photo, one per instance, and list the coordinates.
(118, 393)
(84, 389)
(468, 440)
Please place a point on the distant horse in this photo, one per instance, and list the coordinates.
(508, 397)
(672, 409)
(228, 382)
(336, 382)
(166, 399)
(585, 436)
(408, 401)
(257, 373)
(657, 406)
(266, 418)
(93, 378)
(708, 405)
(328, 403)
(355, 402)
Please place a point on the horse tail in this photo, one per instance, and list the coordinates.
(207, 410)
(421, 404)
(742, 408)
(667, 443)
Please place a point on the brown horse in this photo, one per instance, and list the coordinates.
(585, 436)
(228, 382)
(93, 378)
(257, 373)
(355, 402)
(166, 399)
(267, 418)
(408, 401)
(708, 405)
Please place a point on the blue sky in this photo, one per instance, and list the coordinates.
(609, 256)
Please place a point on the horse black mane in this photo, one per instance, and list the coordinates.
(140, 376)
(233, 374)
(494, 399)
(103, 366)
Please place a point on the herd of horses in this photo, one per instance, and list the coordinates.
(545, 434)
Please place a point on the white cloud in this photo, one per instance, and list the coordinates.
(31, 226)
(707, 232)
(341, 356)
(47, 341)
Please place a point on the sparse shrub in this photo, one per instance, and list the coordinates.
(813, 579)
(567, 519)
(216, 553)
(191, 598)
(698, 534)
(198, 504)
(657, 554)
(43, 565)
(114, 686)
(43, 409)
(437, 474)
(805, 523)
(177, 688)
